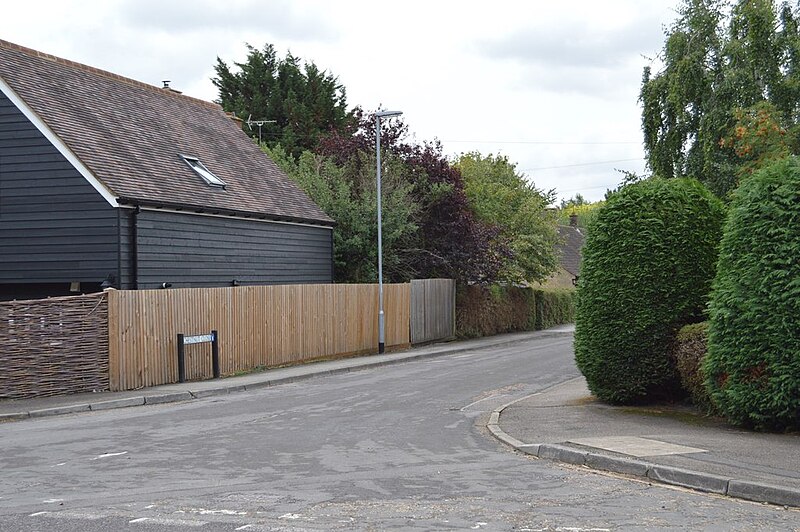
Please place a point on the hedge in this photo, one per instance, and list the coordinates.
(647, 268)
(753, 362)
(689, 352)
(486, 311)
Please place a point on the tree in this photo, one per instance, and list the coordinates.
(575, 201)
(304, 103)
(753, 361)
(457, 244)
(758, 138)
(451, 241)
(347, 194)
(585, 213)
(500, 196)
(647, 267)
(714, 66)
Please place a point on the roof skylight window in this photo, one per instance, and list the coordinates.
(201, 170)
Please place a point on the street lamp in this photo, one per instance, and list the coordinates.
(381, 322)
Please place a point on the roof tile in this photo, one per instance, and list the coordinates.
(130, 135)
(569, 249)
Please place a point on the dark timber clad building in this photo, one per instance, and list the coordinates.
(103, 178)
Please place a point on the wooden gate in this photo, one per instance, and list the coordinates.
(433, 310)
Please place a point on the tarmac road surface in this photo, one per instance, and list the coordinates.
(396, 447)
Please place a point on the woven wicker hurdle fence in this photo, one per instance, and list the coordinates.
(54, 346)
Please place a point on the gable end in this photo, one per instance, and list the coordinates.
(57, 143)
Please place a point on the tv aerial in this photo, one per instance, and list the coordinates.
(260, 123)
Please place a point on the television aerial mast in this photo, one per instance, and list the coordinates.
(258, 123)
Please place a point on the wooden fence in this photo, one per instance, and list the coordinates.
(257, 326)
(433, 310)
(123, 340)
(53, 346)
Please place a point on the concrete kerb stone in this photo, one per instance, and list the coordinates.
(502, 436)
(117, 403)
(14, 416)
(752, 491)
(563, 453)
(617, 464)
(494, 427)
(59, 410)
(167, 398)
(530, 448)
(688, 479)
(213, 392)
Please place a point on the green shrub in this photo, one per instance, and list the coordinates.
(688, 352)
(647, 268)
(753, 362)
(486, 311)
(553, 307)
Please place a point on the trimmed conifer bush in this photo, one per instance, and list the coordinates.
(647, 268)
(753, 361)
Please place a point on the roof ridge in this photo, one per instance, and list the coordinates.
(104, 73)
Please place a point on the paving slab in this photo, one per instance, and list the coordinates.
(670, 444)
(635, 446)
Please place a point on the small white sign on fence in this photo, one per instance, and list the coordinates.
(198, 339)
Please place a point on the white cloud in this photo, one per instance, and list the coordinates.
(196, 18)
(463, 71)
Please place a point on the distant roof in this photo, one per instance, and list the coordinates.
(569, 249)
(131, 135)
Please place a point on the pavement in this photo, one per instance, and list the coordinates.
(666, 444)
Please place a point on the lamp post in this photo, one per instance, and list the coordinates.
(381, 321)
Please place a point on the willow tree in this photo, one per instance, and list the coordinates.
(720, 67)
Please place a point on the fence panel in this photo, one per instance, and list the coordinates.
(433, 310)
(54, 346)
(257, 326)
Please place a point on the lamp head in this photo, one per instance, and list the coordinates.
(387, 114)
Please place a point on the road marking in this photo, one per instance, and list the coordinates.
(69, 514)
(579, 529)
(565, 529)
(38, 513)
(244, 527)
(51, 501)
(109, 454)
(290, 516)
(166, 521)
(203, 511)
(473, 403)
(139, 520)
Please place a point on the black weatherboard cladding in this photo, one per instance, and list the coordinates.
(54, 227)
(193, 250)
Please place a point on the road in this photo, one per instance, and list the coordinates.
(396, 447)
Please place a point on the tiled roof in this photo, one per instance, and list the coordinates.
(130, 135)
(569, 250)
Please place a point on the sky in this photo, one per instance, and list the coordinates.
(553, 86)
